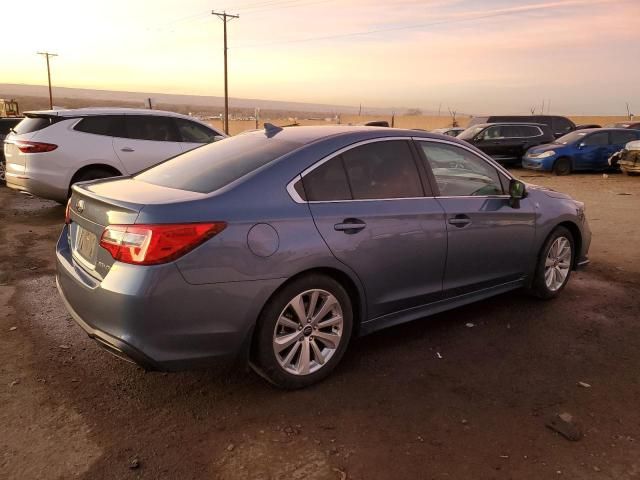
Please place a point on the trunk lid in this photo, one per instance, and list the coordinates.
(95, 205)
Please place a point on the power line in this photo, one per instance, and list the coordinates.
(225, 17)
(47, 55)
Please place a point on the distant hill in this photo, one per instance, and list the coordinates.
(84, 96)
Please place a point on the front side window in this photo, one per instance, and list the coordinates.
(460, 173)
(597, 139)
(382, 170)
(192, 132)
(151, 127)
(493, 133)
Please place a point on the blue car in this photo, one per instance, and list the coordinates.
(277, 246)
(587, 149)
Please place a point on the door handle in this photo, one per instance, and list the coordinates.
(127, 149)
(350, 226)
(460, 221)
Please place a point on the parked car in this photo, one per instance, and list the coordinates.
(588, 149)
(627, 159)
(451, 131)
(584, 126)
(48, 151)
(6, 124)
(279, 246)
(632, 125)
(507, 142)
(559, 125)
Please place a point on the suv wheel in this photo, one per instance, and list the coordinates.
(554, 264)
(91, 174)
(562, 166)
(303, 332)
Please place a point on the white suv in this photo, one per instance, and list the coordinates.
(51, 150)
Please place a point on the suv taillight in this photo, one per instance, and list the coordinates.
(154, 244)
(34, 147)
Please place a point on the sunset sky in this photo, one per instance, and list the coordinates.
(477, 56)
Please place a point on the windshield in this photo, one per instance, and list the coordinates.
(470, 132)
(214, 166)
(571, 137)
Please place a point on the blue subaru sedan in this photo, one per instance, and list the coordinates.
(277, 246)
(587, 149)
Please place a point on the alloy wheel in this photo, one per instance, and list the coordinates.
(557, 264)
(308, 332)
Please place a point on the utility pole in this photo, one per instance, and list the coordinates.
(47, 55)
(225, 17)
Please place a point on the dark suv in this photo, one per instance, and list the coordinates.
(559, 125)
(507, 142)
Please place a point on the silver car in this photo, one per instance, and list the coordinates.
(279, 246)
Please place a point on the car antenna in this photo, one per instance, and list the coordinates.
(271, 129)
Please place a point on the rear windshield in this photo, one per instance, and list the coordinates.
(32, 124)
(213, 166)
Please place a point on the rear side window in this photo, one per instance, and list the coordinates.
(192, 132)
(33, 124)
(382, 170)
(327, 182)
(214, 166)
(622, 138)
(100, 125)
(150, 127)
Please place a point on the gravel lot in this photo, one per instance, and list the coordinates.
(394, 409)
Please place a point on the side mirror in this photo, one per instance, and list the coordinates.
(517, 191)
(217, 138)
(581, 145)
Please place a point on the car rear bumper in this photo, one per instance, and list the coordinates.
(24, 183)
(153, 317)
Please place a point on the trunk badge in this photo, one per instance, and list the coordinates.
(80, 206)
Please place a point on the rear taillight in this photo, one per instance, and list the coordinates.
(154, 244)
(67, 213)
(34, 147)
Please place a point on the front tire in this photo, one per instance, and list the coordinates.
(562, 166)
(303, 332)
(554, 264)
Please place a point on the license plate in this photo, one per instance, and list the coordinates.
(86, 244)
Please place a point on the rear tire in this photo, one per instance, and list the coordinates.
(554, 264)
(562, 166)
(303, 332)
(92, 174)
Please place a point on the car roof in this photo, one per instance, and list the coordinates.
(80, 112)
(604, 129)
(489, 124)
(309, 134)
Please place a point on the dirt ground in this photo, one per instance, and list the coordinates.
(394, 409)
